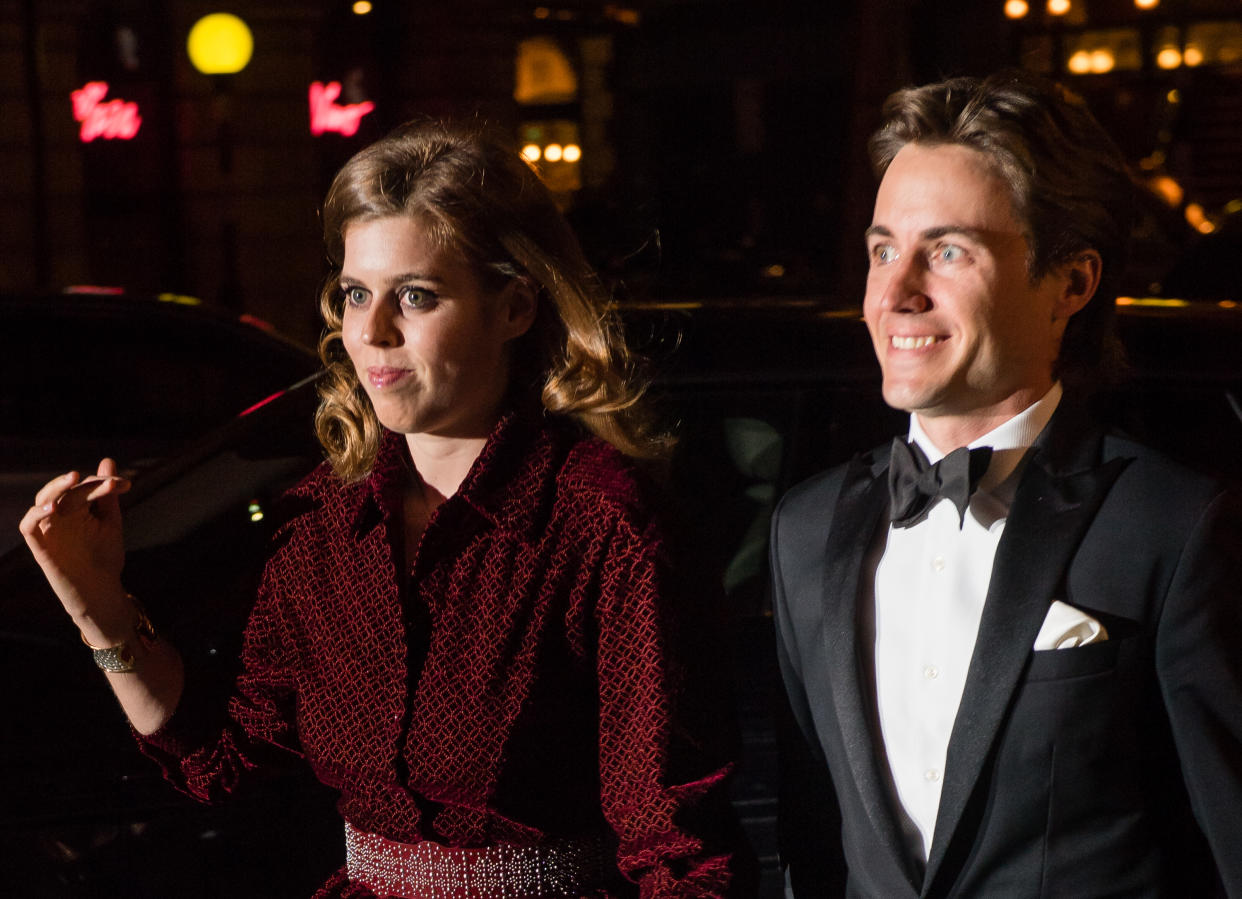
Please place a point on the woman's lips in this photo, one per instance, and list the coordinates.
(381, 376)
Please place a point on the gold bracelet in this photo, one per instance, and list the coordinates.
(119, 659)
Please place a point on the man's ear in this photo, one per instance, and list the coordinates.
(1082, 279)
(519, 303)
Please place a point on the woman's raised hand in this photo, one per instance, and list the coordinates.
(74, 532)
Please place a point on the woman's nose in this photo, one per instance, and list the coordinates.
(378, 328)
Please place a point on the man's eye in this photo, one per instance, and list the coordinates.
(883, 254)
(416, 297)
(948, 253)
(354, 296)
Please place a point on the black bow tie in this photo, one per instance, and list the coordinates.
(914, 483)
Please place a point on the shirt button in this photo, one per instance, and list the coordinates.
(938, 563)
(931, 672)
(931, 775)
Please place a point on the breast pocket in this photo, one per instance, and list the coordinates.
(1080, 661)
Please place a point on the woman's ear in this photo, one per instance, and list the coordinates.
(519, 303)
(1082, 279)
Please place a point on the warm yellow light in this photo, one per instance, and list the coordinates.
(1193, 56)
(1058, 7)
(220, 44)
(542, 12)
(1080, 63)
(1168, 189)
(1169, 58)
(362, 7)
(531, 152)
(1016, 9)
(1198, 219)
(553, 152)
(1102, 61)
(572, 153)
(1146, 4)
(1173, 96)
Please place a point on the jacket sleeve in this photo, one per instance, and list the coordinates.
(1199, 665)
(809, 818)
(209, 749)
(663, 779)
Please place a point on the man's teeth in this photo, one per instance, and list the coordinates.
(912, 343)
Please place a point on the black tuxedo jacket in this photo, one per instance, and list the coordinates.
(1112, 769)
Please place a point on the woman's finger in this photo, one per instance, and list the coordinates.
(52, 490)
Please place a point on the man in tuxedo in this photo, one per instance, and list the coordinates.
(1012, 645)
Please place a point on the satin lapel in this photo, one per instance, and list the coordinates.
(1049, 516)
(860, 506)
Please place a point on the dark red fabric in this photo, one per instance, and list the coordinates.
(519, 682)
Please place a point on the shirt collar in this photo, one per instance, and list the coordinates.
(1009, 441)
(501, 485)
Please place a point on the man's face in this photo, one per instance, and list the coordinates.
(958, 327)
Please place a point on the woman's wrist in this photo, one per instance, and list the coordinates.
(108, 621)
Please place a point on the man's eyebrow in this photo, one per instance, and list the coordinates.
(975, 234)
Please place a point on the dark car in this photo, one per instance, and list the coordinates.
(762, 394)
(99, 371)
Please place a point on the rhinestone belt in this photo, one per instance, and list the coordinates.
(428, 870)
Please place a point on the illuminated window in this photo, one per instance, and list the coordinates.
(544, 74)
(1213, 43)
(1097, 52)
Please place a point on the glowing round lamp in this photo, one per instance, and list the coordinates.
(1058, 7)
(1016, 9)
(1169, 58)
(220, 44)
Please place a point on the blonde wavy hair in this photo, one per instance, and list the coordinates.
(476, 195)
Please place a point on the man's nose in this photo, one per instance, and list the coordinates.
(905, 289)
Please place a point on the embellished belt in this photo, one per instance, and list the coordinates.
(428, 870)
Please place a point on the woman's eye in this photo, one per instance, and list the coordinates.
(354, 296)
(416, 297)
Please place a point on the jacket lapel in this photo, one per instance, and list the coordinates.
(860, 507)
(1056, 501)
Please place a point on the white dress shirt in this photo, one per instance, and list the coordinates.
(929, 584)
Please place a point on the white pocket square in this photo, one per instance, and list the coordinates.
(1066, 627)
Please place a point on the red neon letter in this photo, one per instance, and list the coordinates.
(326, 115)
(116, 118)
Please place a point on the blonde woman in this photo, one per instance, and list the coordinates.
(468, 626)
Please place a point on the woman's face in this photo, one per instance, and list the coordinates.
(428, 342)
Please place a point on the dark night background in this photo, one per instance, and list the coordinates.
(723, 140)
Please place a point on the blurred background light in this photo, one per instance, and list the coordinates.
(220, 44)
(1016, 9)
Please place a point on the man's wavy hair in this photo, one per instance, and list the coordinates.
(472, 191)
(1068, 180)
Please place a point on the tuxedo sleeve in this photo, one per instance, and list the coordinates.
(809, 818)
(1199, 664)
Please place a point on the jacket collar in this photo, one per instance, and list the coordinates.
(504, 486)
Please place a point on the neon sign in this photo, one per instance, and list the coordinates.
(326, 115)
(114, 119)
